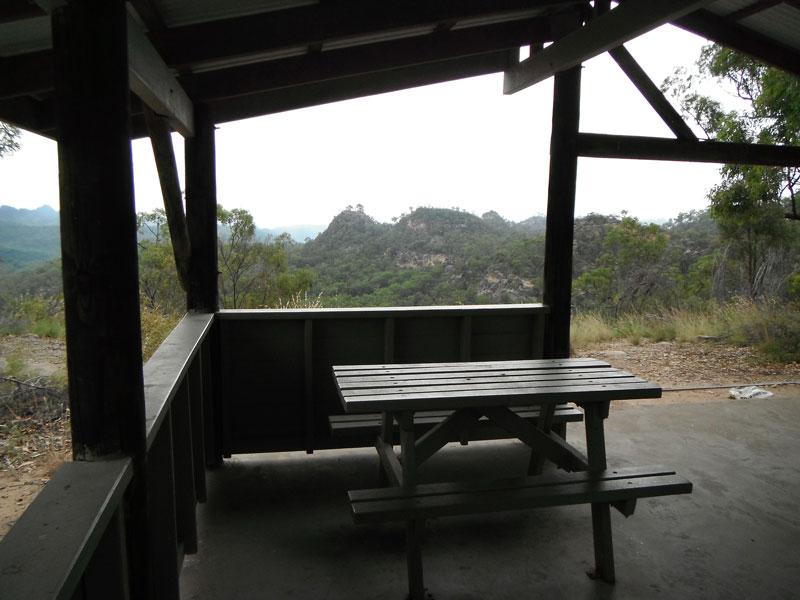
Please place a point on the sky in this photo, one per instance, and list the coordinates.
(460, 144)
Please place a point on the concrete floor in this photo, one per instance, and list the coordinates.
(278, 526)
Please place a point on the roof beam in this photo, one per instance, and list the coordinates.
(735, 36)
(335, 64)
(598, 145)
(26, 74)
(314, 24)
(335, 90)
(150, 78)
(752, 9)
(627, 21)
(17, 10)
(652, 94)
(154, 83)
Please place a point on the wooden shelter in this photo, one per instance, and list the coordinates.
(92, 74)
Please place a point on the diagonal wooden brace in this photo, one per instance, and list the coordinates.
(446, 431)
(548, 443)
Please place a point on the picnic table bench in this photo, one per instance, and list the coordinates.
(497, 392)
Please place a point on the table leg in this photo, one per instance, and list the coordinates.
(416, 527)
(386, 435)
(594, 415)
(544, 423)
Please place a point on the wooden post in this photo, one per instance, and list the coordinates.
(98, 249)
(98, 229)
(201, 214)
(561, 212)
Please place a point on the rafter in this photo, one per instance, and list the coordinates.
(154, 83)
(629, 20)
(17, 10)
(324, 22)
(335, 64)
(752, 9)
(335, 90)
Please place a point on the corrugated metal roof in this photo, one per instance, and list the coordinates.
(30, 35)
(781, 22)
(185, 12)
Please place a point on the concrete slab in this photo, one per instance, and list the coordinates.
(278, 526)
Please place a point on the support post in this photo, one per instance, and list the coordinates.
(98, 229)
(201, 214)
(98, 249)
(561, 212)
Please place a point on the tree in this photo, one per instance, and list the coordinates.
(255, 273)
(9, 139)
(750, 202)
(237, 255)
(632, 272)
(158, 278)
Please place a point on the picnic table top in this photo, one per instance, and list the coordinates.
(432, 386)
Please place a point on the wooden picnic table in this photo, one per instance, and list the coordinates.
(492, 390)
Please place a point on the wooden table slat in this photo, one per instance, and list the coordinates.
(509, 386)
(349, 370)
(503, 397)
(348, 379)
(345, 384)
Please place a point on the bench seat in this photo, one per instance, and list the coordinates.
(369, 424)
(619, 487)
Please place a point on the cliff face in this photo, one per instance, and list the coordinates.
(449, 254)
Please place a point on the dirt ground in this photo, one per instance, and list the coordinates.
(676, 366)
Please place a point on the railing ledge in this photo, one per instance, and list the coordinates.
(48, 549)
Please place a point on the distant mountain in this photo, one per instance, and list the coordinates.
(28, 237)
(299, 233)
(44, 215)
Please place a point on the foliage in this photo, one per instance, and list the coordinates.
(38, 314)
(156, 325)
(750, 202)
(632, 271)
(9, 139)
(253, 273)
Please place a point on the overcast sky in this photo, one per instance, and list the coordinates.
(460, 144)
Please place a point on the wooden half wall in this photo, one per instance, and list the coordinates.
(277, 389)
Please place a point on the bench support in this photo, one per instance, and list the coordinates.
(594, 415)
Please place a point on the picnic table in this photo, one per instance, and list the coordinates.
(495, 390)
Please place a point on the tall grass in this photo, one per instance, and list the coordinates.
(772, 328)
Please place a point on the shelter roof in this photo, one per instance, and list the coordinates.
(244, 58)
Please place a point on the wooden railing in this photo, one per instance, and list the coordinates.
(75, 539)
(277, 388)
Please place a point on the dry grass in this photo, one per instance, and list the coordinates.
(772, 329)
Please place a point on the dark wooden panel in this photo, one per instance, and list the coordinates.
(263, 371)
(359, 340)
(264, 360)
(501, 337)
(427, 340)
(162, 536)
